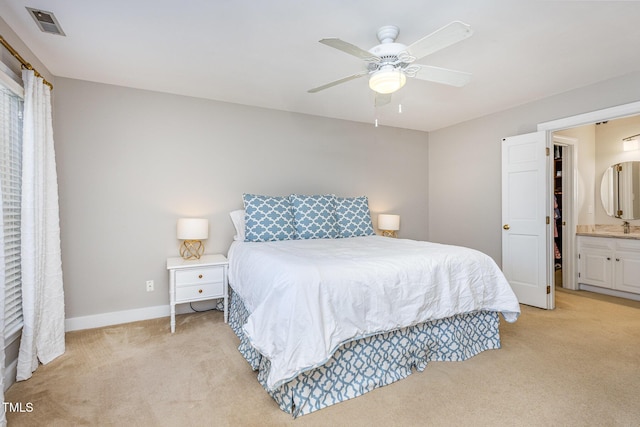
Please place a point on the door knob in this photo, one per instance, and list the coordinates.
(506, 226)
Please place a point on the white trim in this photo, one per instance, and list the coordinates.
(592, 117)
(127, 316)
(610, 292)
(116, 318)
(570, 186)
(549, 193)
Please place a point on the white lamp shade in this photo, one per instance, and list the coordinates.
(387, 80)
(388, 222)
(193, 228)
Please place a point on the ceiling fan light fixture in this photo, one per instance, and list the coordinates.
(387, 80)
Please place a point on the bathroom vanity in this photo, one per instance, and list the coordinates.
(609, 255)
(609, 261)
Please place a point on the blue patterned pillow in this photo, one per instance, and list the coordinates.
(353, 217)
(314, 216)
(268, 218)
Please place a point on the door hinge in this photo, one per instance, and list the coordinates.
(547, 149)
(618, 168)
(548, 289)
(548, 220)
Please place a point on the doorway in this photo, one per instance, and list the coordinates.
(539, 284)
(563, 203)
(558, 221)
(570, 186)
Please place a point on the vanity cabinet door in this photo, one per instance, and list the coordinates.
(596, 262)
(596, 267)
(628, 266)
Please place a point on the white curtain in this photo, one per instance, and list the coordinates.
(42, 293)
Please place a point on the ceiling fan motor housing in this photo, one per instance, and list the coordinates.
(388, 54)
(388, 50)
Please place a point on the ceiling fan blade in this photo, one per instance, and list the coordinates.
(382, 99)
(337, 82)
(442, 75)
(439, 39)
(350, 49)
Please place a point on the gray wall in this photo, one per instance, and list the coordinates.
(464, 161)
(131, 162)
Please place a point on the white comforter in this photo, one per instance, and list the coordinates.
(307, 297)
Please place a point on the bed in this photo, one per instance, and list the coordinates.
(325, 319)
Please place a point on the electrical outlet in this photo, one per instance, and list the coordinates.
(149, 285)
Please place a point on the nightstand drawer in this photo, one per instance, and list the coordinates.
(204, 291)
(199, 275)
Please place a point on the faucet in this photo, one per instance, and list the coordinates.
(625, 225)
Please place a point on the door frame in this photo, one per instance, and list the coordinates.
(569, 208)
(592, 117)
(589, 118)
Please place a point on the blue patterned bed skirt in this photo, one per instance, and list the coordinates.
(360, 366)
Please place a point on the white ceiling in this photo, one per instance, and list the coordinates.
(266, 53)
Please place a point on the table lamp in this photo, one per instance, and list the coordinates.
(192, 231)
(389, 224)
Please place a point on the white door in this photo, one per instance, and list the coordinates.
(525, 210)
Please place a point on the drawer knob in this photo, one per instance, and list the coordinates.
(199, 276)
(199, 291)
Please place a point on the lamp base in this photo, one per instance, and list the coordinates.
(389, 233)
(191, 249)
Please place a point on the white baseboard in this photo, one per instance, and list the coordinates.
(611, 292)
(126, 316)
(115, 318)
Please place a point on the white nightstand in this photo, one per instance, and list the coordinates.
(197, 280)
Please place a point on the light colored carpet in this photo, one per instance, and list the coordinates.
(578, 365)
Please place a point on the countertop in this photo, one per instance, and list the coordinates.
(608, 230)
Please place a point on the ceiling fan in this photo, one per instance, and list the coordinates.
(390, 63)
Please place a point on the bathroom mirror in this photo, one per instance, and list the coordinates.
(620, 190)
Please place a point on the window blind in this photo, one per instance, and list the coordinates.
(11, 107)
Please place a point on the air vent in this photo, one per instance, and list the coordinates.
(46, 21)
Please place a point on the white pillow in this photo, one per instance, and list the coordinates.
(237, 217)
